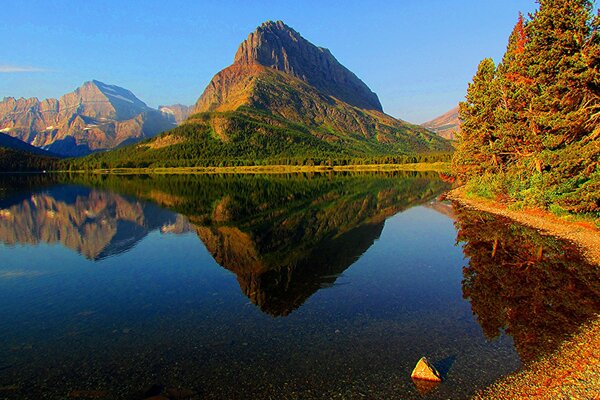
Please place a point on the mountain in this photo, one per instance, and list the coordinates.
(176, 112)
(277, 71)
(95, 116)
(447, 125)
(283, 100)
(277, 46)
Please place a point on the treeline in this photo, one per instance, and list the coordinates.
(530, 125)
(248, 142)
(22, 161)
(91, 164)
(84, 164)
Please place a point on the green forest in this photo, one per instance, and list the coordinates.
(530, 125)
(12, 160)
(250, 141)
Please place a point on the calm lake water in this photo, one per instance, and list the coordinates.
(271, 287)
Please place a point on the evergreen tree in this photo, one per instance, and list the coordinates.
(558, 32)
(474, 153)
(516, 91)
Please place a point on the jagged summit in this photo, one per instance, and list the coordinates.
(276, 45)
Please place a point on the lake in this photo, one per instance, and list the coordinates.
(271, 287)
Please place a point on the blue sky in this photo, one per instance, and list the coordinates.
(418, 56)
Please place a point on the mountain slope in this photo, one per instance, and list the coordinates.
(447, 125)
(283, 100)
(9, 142)
(95, 116)
(273, 96)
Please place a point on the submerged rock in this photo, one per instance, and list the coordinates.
(425, 371)
(425, 387)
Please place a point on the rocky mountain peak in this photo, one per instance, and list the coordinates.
(100, 100)
(276, 45)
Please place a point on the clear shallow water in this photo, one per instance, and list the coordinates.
(271, 287)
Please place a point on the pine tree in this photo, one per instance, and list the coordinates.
(516, 91)
(558, 33)
(474, 153)
(563, 59)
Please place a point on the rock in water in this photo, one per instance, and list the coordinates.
(425, 371)
(425, 387)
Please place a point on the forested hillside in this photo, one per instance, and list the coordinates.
(530, 131)
(12, 160)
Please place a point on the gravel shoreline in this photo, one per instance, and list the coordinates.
(572, 372)
(585, 237)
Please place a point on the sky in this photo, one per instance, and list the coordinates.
(417, 55)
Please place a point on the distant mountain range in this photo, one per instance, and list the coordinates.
(447, 125)
(283, 100)
(94, 117)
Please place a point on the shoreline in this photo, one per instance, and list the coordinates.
(585, 236)
(271, 169)
(572, 370)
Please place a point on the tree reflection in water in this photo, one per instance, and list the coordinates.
(537, 288)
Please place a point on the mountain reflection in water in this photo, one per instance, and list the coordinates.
(283, 237)
(97, 224)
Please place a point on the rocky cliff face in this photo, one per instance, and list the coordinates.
(446, 126)
(95, 116)
(276, 45)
